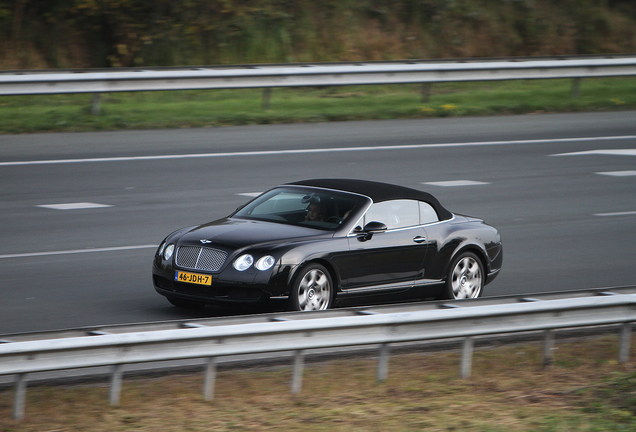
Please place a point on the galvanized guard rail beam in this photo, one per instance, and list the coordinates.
(232, 319)
(298, 336)
(268, 76)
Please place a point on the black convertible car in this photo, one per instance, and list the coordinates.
(317, 242)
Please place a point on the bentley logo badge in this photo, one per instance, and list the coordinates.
(205, 241)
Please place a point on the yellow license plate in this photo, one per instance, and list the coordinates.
(194, 278)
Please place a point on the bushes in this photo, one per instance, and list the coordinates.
(112, 33)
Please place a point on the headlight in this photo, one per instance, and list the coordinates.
(243, 262)
(160, 250)
(265, 263)
(168, 251)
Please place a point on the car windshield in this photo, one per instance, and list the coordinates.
(315, 208)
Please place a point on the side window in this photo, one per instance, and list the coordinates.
(427, 213)
(394, 214)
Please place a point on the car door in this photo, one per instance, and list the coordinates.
(432, 270)
(389, 260)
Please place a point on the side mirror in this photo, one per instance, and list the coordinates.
(371, 228)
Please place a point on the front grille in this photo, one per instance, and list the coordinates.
(200, 258)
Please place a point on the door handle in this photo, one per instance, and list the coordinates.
(419, 239)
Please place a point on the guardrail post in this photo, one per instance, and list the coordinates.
(20, 397)
(115, 384)
(426, 92)
(267, 97)
(297, 379)
(210, 379)
(576, 88)
(467, 358)
(96, 104)
(626, 339)
(383, 362)
(548, 347)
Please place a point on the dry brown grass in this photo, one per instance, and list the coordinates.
(508, 391)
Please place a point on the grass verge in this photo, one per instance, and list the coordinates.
(209, 108)
(585, 390)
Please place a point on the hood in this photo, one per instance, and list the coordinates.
(239, 233)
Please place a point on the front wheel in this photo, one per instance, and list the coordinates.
(312, 289)
(465, 278)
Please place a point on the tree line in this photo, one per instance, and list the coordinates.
(38, 34)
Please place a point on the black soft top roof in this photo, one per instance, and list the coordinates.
(377, 191)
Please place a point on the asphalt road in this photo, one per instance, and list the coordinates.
(81, 213)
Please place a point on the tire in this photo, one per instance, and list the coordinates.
(312, 289)
(465, 277)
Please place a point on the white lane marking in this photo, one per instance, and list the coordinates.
(627, 213)
(77, 251)
(453, 183)
(318, 150)
(618, 173)
(250, 194)
(73, 206)
(608, 152)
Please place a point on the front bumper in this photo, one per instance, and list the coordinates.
(228, 286)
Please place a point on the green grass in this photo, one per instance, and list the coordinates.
(587, 390)
(209, 108)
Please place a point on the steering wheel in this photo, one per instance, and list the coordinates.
(335, 219)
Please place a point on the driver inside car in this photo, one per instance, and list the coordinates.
(314, 213)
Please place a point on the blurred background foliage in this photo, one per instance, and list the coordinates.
(42, 34)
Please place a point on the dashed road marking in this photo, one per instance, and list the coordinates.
(607, 152)
(73, 206)
(250, 194)
(453, 183)
(626, 213)
(618, 173)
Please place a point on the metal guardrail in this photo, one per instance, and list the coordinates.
(299, 75)
(449, 321)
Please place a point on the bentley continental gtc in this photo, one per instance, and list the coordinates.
(318, 243)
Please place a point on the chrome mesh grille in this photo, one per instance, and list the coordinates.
(200, 258)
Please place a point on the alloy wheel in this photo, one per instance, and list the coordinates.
(466, 278)
(314, 291)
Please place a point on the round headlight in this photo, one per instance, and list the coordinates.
(168, 251)
(265, 263)
(243, 262)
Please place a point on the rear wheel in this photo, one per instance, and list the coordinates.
(465, 278)
(312, 289)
